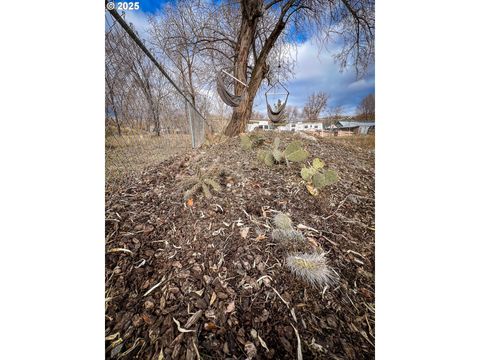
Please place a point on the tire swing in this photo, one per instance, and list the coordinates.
(228, 97)
(277, 113)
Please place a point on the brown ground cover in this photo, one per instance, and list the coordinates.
(207, 280)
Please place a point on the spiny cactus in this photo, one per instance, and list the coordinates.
(197, 183)
(321, 180)
(251, 141)
(292, 153)
(281, 235)
(289, 239)
(316, 177)
(308, 172)
(282, 221)
(312, 268)
(285, 235)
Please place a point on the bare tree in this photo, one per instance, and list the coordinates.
(138, 84)
(316, 103)
(291, 114)
(335, 114)
(111, 96)
(245, 37)
(171, 35)
(366, 108)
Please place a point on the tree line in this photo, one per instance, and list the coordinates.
(252, 39)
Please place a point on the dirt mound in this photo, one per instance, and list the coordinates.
(206, 280)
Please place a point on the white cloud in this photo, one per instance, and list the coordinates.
(139, 19)
(317, 71)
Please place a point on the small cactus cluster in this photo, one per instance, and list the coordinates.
(199, 183)
(294, 152)
(316, 177)
(311, 267)
(249, 142)
(285, 235)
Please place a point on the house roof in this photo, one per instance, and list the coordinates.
(351, 124)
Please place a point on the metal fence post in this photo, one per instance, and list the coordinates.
(189, 114)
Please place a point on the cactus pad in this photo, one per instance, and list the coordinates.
(318, 164)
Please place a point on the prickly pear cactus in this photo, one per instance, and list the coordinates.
(245, 142)
(295, 153)
(316, 177)
(308, 172)
(269, 159)
(318, 181)
(331, 177)
(277, 155)
(276, 143)
(317, 164)
(248, 142)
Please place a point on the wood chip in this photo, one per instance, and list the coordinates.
(230, 307)
(193, 319)
(119, 250)
(213, 298)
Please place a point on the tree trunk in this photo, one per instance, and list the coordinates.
(251, 10)
(119, 129)
(243, 112)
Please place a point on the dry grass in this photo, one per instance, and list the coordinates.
(362, 141)
(131, 153)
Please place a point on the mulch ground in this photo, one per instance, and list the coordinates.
(207, 281)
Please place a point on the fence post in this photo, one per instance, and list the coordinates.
(189, 114)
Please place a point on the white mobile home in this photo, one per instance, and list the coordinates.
(291, 126)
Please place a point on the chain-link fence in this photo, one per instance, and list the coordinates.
(147, 115)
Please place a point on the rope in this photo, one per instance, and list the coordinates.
(231, 100)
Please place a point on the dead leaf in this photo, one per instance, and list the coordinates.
(210, 314)
(190, 202)
(260, 237)
(199, 292)
(210, 326)
(312, 242)
(112, 337)
(244, 232)
(312, 190)
(213, 298)
(250, 349)
(230, 307)
(193, 319)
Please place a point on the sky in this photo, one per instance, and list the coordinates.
(313, 71)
